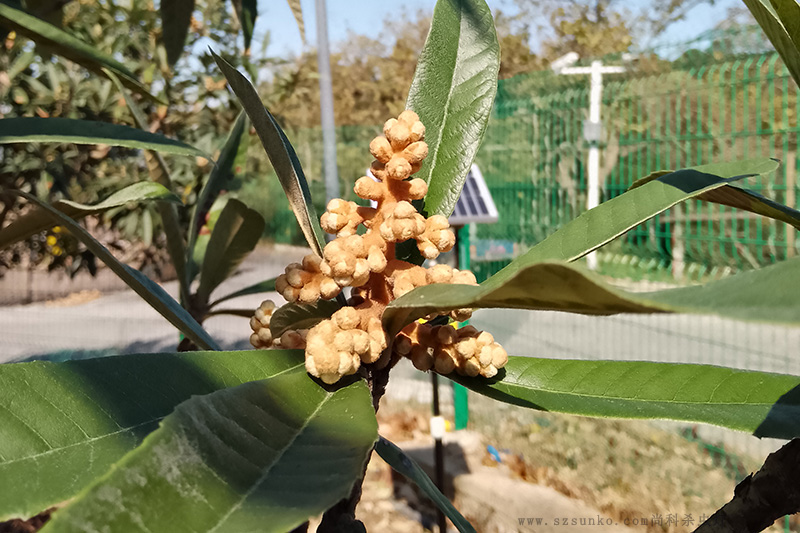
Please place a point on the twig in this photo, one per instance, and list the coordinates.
(763, 497)
(342, 516)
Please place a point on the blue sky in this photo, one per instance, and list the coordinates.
(363, 16)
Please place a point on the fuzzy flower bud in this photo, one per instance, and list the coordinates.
(467, 351)
(259, 323)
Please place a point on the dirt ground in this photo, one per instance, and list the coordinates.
(623, 469)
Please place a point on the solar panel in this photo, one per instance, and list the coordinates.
(475, 203)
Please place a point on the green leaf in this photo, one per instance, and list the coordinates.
(62, 425)
(452, 92)
(151, 292)
(176, 16)
(65, 45)
(246, 12)
(159, 172)
(281, 154)
(22, 62)
(767, 405)
(404, 464)
(235, 235)
(198, 254)
(768, 295)
(788, 12)
(244, 313)
(263, 456)
(223, 171)
(739, 198)
(39, 219)
(650, 177)
(609, 220)
(295, 315)
(257, 288)
(777, 33)
(71, 130)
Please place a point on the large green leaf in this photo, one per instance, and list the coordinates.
(452, 92)
(739, 198)
(296, 315)
(263, 456)
(220, 174)
(235, 235)
(71, 130)
(267, 285)
(609, 220)
(281, 154)
(404, 464)
(64, 44)
(39, 219)
(176, 16)
(771, 294)
(776, 30)
(246, 12)
(62, 425)
(151, 292)
(767, 405)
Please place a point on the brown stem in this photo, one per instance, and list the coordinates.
(199, 311)
(763, 497)
(31, 525)
(343, 514)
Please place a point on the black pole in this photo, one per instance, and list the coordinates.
(438, 452)
(438, 449)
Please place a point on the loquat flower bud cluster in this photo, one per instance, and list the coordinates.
(467, 351)
(262, 335)
(366, 262)
(338, 346)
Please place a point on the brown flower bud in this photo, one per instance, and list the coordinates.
(381, 149)
(416, 152)
(368, 189)
(398, 168)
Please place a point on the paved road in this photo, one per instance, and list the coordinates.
(123, 323)
(671, 338)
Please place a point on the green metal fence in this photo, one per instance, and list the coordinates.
(533, 158)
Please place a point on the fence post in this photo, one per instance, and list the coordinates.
(791, 183)
(678, 243)
(460, 395)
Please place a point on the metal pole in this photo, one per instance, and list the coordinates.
(593, 181)
(593, 133)
(326, 104)
(437, 430)
(460, 396)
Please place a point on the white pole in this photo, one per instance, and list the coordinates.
(593, 132)
(593, 178)
(326, 104)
